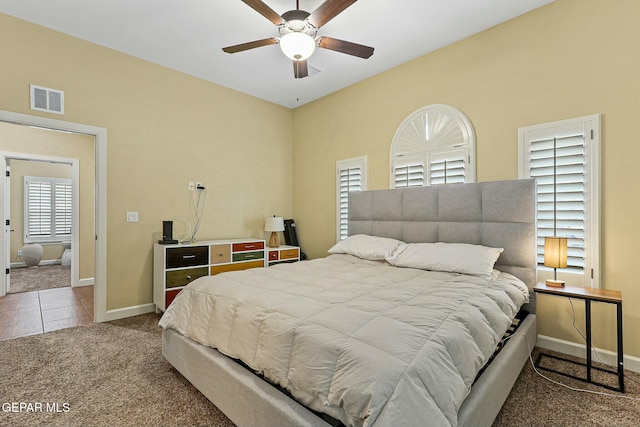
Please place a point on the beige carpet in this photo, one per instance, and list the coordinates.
(537, 402)
(113, 374)
(40, 278)
(109, 374)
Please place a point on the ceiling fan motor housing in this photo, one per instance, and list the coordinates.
(296, 21)
(295, 15)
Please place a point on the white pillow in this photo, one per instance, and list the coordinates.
(366, 247)
(462, 258)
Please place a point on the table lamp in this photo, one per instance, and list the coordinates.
(274, 224)
(555, 256)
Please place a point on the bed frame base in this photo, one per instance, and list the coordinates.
(242, 396)
(248, 400)
(482, 405)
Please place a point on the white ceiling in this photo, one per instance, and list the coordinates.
(188, 36)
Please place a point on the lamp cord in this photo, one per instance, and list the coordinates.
(533, 365)
(199, 210)
(592, 349)
(554, 185)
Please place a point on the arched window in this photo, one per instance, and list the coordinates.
(434, 145)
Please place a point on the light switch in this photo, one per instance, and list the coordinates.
(132, 216)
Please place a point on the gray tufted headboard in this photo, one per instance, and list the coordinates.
(496, 214)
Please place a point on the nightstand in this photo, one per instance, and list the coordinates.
(282, 253)
(589, 295)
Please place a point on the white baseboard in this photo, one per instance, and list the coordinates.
(84, 282)
(22, 264)
(578, 350)
(121, 313)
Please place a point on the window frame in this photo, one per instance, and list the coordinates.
(341, 165)
(52, 238)
(590, 276)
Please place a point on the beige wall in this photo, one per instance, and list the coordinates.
(568, 59)
(28, 140)
(164, 129)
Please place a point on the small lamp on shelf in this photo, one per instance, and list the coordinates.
(274, 224)
(555, 256)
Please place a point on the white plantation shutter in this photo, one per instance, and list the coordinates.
(576, 192)
(409, 173)
(447, 168)
(38, 210)
(351, 175)
(62, 209)
(431, 169)
(569, 193)
(350, 180)
(48, 209)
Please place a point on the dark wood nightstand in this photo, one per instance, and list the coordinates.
(589, 295)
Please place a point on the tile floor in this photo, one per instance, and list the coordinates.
(30, 313)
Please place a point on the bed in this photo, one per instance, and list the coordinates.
(482, 215)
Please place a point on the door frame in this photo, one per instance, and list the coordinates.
(100, 200)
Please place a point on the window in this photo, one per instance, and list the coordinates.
(351, 175)
(48, 209)
(563, 157)
(434, 145)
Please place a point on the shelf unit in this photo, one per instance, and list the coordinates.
(177, 265)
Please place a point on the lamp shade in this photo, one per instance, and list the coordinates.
(297, 45)
(274, 223)
(555, 252)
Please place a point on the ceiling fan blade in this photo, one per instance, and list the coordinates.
(300, 69)
(250, 45)
(346, 47)
(327, 11)
(265, 11)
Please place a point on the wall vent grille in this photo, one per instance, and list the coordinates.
(47, 99)
(313, 70)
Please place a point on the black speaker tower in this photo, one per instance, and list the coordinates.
(291, 236)
(167, 233)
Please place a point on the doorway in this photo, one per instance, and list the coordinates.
(99, 136)
(42, 213)
(44, 209)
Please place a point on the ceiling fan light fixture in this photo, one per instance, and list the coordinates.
(297, 45)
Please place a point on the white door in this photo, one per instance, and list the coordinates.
(7, 233)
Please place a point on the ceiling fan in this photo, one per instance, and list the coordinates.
(298, 33)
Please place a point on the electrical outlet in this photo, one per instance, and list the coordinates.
(199, 185)
(192, 186)
(19, 253)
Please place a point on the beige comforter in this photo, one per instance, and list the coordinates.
(365, 342)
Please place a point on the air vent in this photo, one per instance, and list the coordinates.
(312, 70)
(46, 99)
